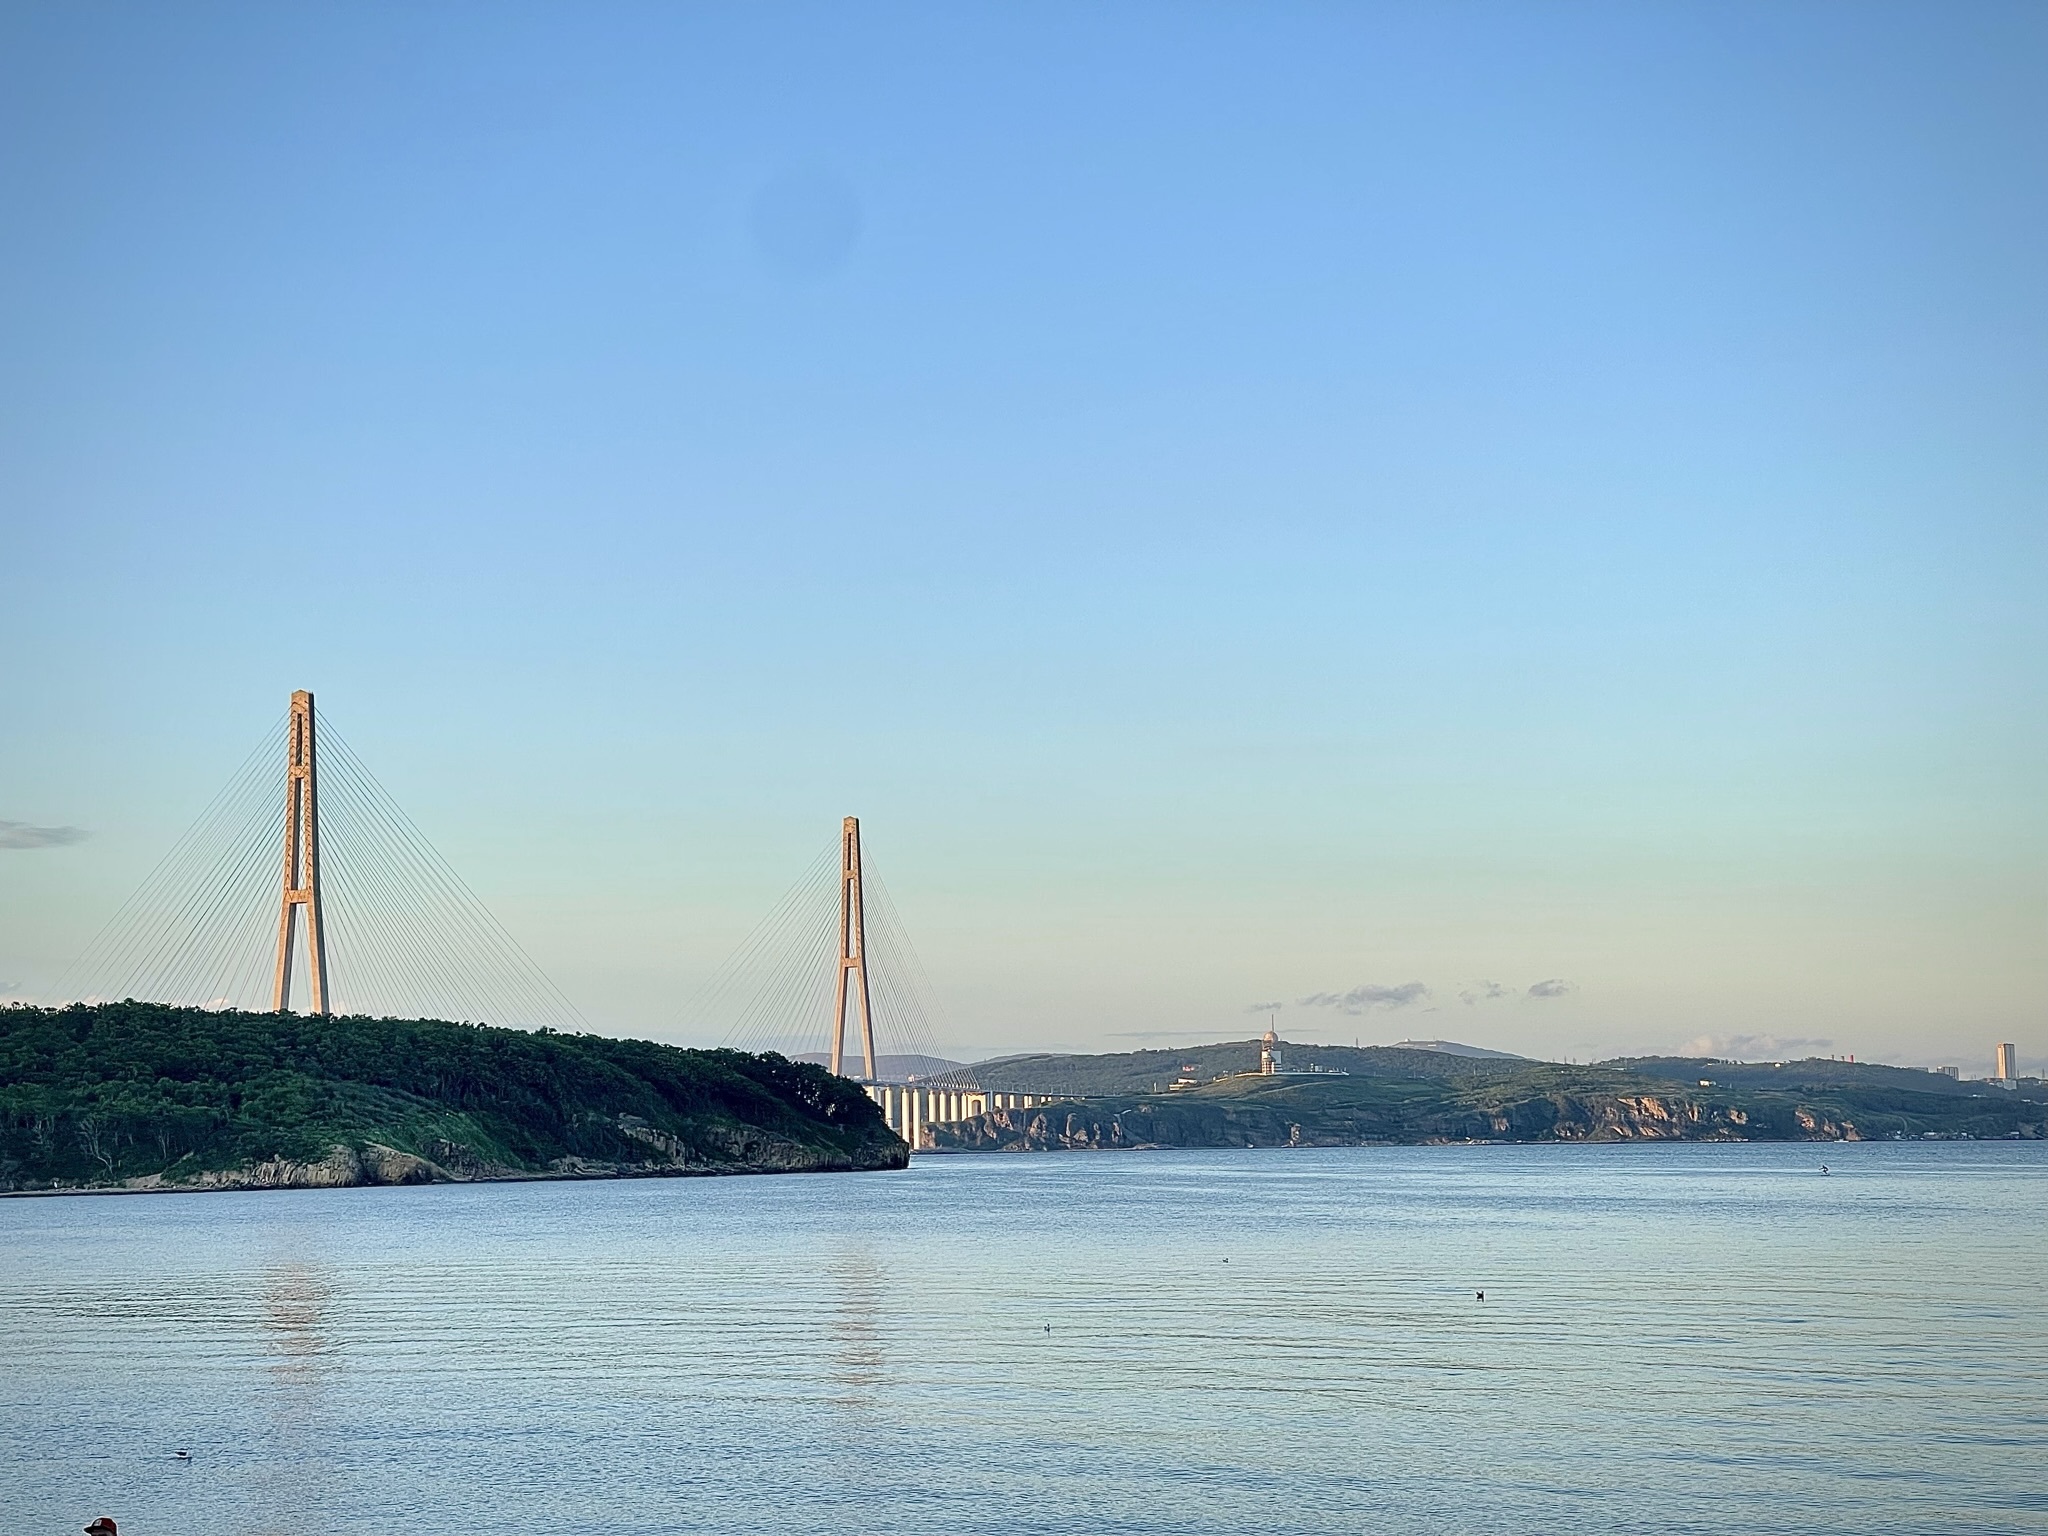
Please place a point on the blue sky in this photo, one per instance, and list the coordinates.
(1246, 502)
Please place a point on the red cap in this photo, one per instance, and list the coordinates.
(100, 1527)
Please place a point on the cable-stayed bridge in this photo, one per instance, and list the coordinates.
(304, 886)
(776, 991)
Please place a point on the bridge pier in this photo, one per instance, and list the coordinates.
(910, 1110)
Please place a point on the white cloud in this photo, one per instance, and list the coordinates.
(1361, 999)
(20, 834)
(1755, 1047)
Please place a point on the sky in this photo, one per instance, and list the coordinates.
(1516, 523)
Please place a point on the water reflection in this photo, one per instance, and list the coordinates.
(296, 1460)
(857, 1363)
(296, 1298)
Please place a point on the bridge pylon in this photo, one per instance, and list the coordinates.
(301, 861)
(853, 955)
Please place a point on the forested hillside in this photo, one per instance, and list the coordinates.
(1386, 1094)
(148, 1095)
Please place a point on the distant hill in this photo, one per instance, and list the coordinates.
(148, 1096)
(1453, 1048)
(1813, 1073)
(1397, 1094)
(1148, 1071)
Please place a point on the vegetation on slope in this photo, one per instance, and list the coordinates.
(1129, 1072)
(150, 1095)
(1417, 1096)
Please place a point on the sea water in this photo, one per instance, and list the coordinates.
(1703, 1339)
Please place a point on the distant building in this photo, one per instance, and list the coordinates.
(1269, 1054)
(2008, 1062)
(1947, 1071)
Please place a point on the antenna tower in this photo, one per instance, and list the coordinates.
(302, 861)
(853, 953)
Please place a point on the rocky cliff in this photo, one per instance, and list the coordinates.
(1538, 1102)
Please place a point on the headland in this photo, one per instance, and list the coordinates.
(145, 1096)
(1215, 1096)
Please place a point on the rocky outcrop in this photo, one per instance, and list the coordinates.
(1274, 1120)
(1621, 1117)
(1822, 1127)
(342, 1167)
(718, 1150)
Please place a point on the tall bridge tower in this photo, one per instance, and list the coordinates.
(301, 861)
(853, 954)
(380, 905)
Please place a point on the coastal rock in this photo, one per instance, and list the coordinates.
(1272, 1119)
(341, 1168)
(388, 1165)
(1821, 1127)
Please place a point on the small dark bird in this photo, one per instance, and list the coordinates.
(1048, 1327)
(1823, 1167)
(181, 1455)
(1481, 1295)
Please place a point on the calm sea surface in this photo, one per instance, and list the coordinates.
(1674, 1338)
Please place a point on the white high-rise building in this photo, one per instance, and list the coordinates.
(2008, 1062)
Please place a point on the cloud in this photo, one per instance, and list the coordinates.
(19, 834)
(1365, 998)
(1482, 992)
(1557, 986)
(1755, 1047)
(1262, 1007)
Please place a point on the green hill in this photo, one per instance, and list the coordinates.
(1392, 1095)
(145, 1096)
(1129, 1072)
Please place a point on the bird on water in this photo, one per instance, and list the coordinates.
(101, 1527)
